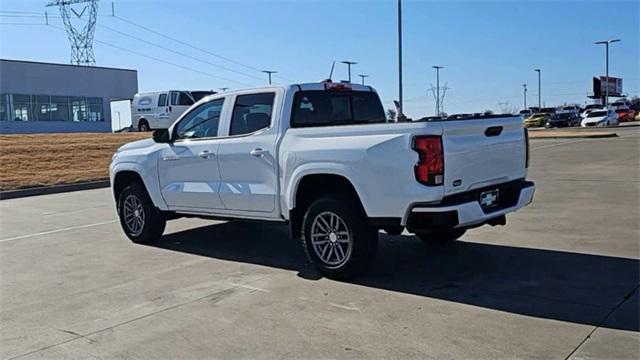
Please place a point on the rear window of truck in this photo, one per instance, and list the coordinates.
(330, 108)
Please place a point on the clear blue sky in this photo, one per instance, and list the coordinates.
(489, 49)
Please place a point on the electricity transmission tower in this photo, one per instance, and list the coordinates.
(438, 96)
(80, 35)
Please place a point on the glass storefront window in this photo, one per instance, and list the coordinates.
(60, 108)
(78, 109)
(4, 112)
(21, 107)
(41, 107)
(95, 109)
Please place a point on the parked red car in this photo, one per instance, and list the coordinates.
(625, 114)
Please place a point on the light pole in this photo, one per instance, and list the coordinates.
(363, 76)
(539, 91)
(437, 88)
(349, 63)
(269, 72)
(606, 86)
(400, 57)
(524, 86)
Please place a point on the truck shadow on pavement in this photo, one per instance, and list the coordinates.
(579, 288)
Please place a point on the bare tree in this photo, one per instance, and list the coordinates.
(391, 115)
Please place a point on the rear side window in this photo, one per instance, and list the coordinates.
(328, 108)
(162, 100)
(251, 113)
(184, 99)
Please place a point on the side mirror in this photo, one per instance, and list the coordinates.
(161, 136)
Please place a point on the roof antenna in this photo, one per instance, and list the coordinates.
(332, 66)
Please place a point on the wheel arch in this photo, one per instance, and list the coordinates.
(141, 119)
(311, 186)
(126, 172)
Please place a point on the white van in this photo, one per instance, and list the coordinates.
(158, 110)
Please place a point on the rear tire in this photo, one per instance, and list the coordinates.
(139, 219)
(338, 239)
(441, 237)
(143, 126)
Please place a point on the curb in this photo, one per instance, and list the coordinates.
(55, 189)
(580, 136)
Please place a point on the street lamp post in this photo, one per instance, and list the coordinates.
(349, 63)
(539, 90)
(437, 88)
(606, 86)
(269, 72)
(363, 76)
(400, 57)
(524, 86)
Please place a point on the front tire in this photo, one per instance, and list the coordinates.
(338, 239)
(441, 237)
(139, 219)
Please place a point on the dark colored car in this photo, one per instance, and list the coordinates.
(563, 120)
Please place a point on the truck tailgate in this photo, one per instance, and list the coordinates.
(482, 152)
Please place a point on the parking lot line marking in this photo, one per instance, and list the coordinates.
(559, 143)
(57, 231)
(250, 287)
(344, 307)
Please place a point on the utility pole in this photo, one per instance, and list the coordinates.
(524, 86)
(349, 63)
(363, 76)
(606, 86)
(437, 88)
(539, 90)
(400, 57)
(269, 72)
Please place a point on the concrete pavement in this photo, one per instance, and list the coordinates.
(560, 280)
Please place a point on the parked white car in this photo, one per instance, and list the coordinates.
(158, 110)
(600, 118)
(322, 158)
(589, 108)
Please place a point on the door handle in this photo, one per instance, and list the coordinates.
(206, 154)
(258, 152)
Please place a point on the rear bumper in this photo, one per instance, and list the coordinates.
(464, 210)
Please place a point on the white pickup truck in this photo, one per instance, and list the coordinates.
(322, 158)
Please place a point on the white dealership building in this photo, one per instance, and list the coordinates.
(38, 97)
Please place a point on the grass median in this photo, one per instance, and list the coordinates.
(28, 161)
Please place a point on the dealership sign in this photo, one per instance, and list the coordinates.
(601, 84)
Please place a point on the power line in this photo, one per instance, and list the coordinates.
(42, 16)
(192, 46)
(161, 60)
(178, 53)
(169, 50)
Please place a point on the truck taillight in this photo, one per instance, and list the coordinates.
(526, 156)
(430, 167)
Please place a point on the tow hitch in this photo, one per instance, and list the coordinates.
(500, 220)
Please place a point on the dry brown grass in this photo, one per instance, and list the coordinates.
(50, 159)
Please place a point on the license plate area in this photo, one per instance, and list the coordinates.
(489, 199)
